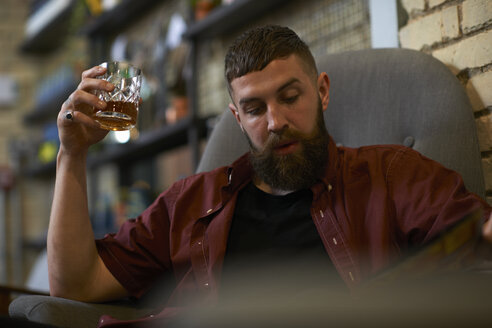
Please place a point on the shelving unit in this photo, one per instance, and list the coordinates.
(99, 30)
(188, 131)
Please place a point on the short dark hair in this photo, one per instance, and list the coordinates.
(256, 48)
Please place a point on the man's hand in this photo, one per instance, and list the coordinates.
(76, 128)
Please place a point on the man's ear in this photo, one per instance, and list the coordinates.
(235, 112)
(324, 89)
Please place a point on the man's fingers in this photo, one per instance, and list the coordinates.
(83, 101)
(89, 84)
(79, 108)
(83, 98)
(93, 72)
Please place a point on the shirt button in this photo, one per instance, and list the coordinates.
(209, 210)
(335, 241)
(330, 187)
(199, 243)
(206, 284)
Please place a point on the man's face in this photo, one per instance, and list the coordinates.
(279, 109)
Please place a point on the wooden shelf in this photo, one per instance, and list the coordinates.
(147, 145)
(121, 16)
(225, 19)
(50, 36)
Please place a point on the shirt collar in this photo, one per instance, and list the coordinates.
(239, 173)
(333, 163)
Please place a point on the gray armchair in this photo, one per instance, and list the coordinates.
(386, 96)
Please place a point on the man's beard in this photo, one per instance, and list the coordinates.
(298, 170)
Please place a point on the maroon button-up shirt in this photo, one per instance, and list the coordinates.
(372, 204)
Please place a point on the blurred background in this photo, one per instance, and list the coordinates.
(180, 46)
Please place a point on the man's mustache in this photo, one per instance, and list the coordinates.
(278, 138)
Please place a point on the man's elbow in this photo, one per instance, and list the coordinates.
(75, 294)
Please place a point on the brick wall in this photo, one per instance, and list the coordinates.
(459, 33)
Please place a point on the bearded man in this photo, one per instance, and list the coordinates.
(296, 199)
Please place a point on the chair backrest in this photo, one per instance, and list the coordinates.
(384, 96)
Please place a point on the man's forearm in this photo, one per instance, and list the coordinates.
(72, 255)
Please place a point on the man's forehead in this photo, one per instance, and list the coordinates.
(275, 76)
(292, 82)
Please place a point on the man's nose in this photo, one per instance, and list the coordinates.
(277, 120)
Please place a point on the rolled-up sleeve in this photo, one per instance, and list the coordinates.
(139, 254)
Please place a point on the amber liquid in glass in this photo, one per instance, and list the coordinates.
(118, 115)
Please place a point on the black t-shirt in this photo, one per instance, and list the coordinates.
(274, 243)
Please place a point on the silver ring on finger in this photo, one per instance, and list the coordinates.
(69, 115)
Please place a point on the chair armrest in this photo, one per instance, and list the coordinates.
(7, 295)
(68, 313)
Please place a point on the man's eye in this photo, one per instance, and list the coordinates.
(253, 111)
(290, 100)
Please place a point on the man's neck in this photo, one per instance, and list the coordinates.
(263, 186)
